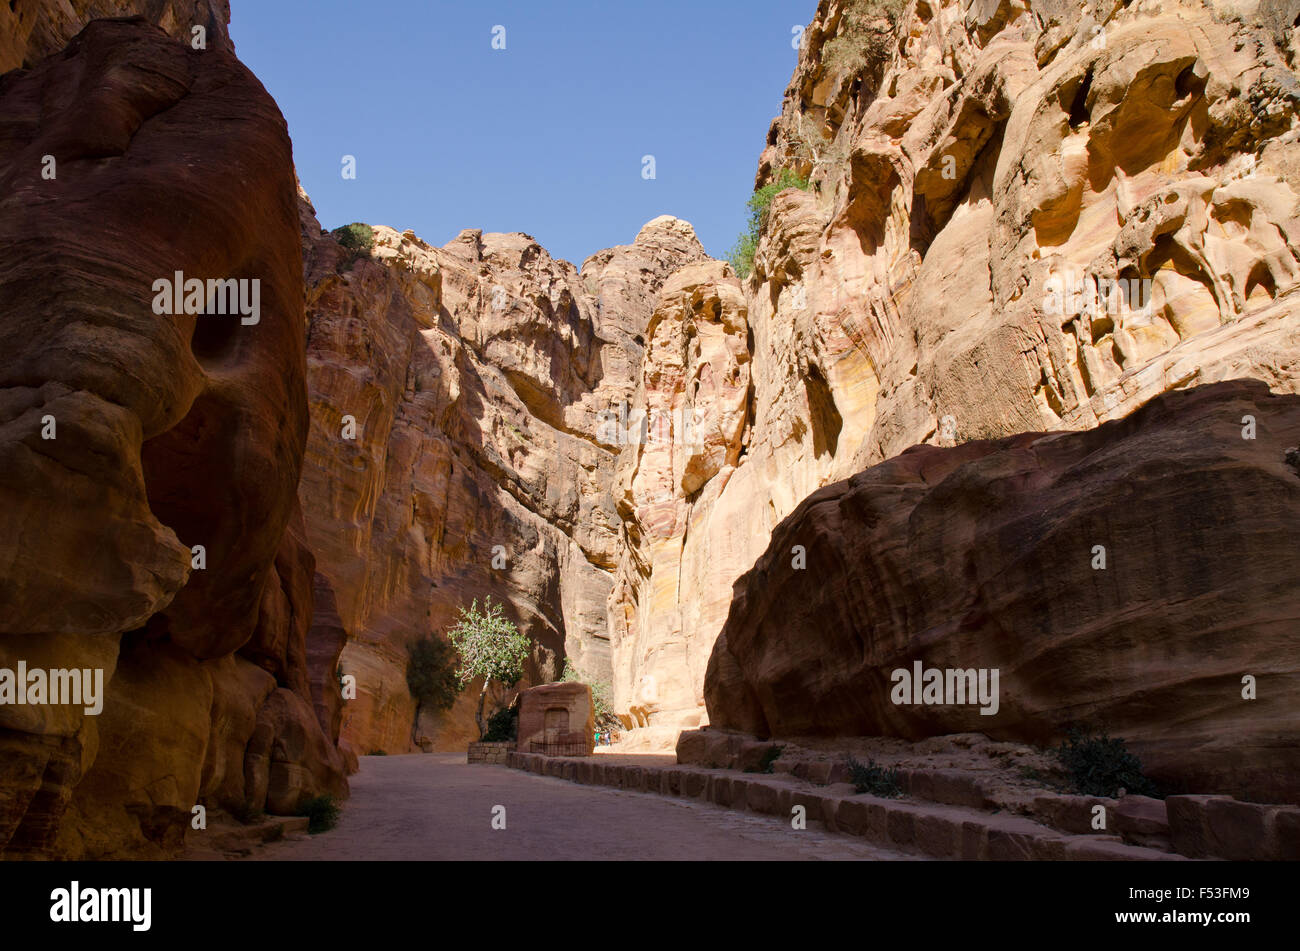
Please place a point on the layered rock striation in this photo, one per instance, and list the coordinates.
(464, 435)
(1019, 218)
(149, 457)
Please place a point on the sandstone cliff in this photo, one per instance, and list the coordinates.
(459, 448)
(1020, 217)
(127, 438)
(982, 177)
(1131, 575)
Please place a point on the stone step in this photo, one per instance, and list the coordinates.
(1137, 820)
(934, 829)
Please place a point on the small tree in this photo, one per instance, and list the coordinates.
(490, 647)
(357, 239)
(430, 677)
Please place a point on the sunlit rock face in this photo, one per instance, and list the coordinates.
(1022, 217)
(463, 443)
(1041, 218)
(128, 437)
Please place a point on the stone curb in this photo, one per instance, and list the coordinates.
(933, 829)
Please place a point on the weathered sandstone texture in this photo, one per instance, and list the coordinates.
(972, 167)
(979, 174)
(985, 556)
(478, 459)
(33, 29)
(170, 432)
(556, 713)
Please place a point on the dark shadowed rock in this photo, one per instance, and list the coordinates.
(981, 556)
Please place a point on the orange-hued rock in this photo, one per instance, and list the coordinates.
(968, 166)
(33, 29)
(965, 172)
(986, 556)
(169, 431)
(686, 433)
(458, 449)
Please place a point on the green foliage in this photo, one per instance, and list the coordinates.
(602, 696)
(741, 255)
(357, 239)
(502, 726)
(874, 779)
(377, 753)
(322, 813)
(765, 765)
(1100, 765)
(490, 646)
(430, 673)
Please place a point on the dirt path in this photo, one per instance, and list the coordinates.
(437, 807)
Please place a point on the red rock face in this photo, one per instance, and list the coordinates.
(981, 556)
(172, 431)
(33, 29)
(477, 463)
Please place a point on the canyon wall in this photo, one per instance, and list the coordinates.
(459, 448)
(149, 461)
(982, 177)
(605, 450)
(1019, 217)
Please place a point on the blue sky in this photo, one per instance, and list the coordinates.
(545, 136)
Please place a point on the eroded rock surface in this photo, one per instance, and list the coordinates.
(979, 175)
(479, 379)
(33, 29)
(1021, 217)
(986, 556)
(169, 431)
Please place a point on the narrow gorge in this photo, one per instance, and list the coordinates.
(1035, 292)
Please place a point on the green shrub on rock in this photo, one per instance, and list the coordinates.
(322, 813)
(741, 257)
(1100, 765)
(357, 239)
(873, 779)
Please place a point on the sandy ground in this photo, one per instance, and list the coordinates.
(436, 806)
